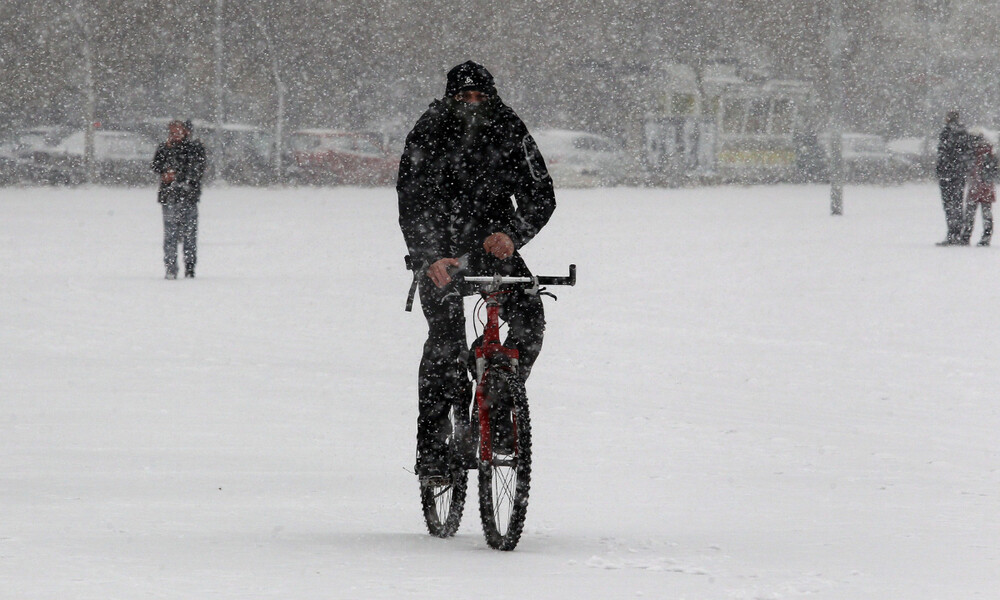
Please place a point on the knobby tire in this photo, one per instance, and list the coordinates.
(504, 482)
(443, 504)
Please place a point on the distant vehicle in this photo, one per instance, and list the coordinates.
(866, 157)
(120, 157)
(8, 163)
(580, 159)
(37, 137)
(248, 152)
(19, 152)
(8, 170)
(679, 134)
(328, 156)
(726, 122)
(913, 157)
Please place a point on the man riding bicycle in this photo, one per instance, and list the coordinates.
(468, 154)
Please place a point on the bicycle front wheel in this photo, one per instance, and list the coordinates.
(504, 480)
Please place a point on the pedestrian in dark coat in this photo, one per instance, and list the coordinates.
(954, 158)
(464, 160)
(180, 161)
(981, 190)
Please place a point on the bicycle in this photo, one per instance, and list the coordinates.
(496, 438)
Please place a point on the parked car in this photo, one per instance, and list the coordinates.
(248, 152)
(580, 159)
(120, 157)
(19, 152)
(913, 157)
(866, 157)
(8, 163)
(327, 156)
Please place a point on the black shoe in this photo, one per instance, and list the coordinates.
(189, 271)
(431, 466)
(944, 243)
(983, 243)
(434, 475)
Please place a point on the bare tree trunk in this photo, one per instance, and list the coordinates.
(279, 123)
(219, 150)
(837, 40)
(90, 109)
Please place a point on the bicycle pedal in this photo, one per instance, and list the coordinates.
(435, 481)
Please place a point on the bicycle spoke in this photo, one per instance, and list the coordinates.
(503, 498)
(504, 481)
(442, 502)
(443, 499)
(507, 482)
(444, 490)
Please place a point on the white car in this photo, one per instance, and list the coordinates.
(18, 153)
(120, 157)
(580, 159)
(866, 156)
(913, 157)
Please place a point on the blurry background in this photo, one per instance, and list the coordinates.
(619, 69)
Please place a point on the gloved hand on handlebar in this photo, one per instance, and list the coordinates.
(499, 245)
(438, 271)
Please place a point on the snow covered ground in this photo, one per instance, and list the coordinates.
(743, 398)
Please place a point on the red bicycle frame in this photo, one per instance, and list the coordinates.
(486, 358)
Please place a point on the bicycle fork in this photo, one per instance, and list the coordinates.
(491, 354)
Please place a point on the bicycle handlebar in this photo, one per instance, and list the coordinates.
(501, 280)
(505, 280)
(495, 280)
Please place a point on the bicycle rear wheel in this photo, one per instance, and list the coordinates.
(443, 500)
(505, 479)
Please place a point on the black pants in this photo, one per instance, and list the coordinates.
(444, 379)
(180, 226)
(952, 192)
(970, 221)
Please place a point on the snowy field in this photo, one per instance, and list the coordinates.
(743, 398)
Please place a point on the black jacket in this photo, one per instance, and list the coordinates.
(187, 159)
(954, 152)
(456, 180)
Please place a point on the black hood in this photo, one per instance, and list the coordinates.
(470, 76)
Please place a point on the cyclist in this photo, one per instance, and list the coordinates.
(468, 154)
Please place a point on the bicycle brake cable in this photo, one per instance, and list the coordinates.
(546, 292)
